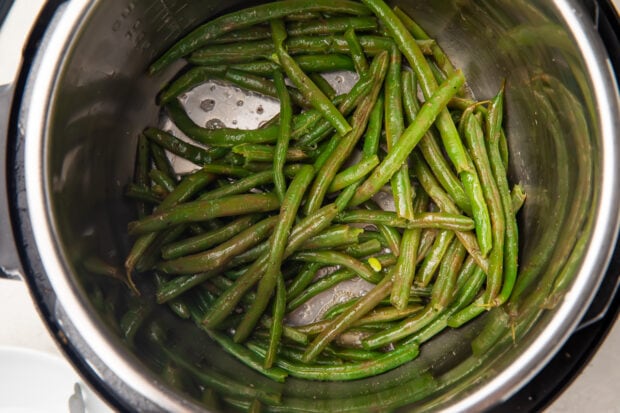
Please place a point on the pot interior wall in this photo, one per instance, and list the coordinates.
(104, 99)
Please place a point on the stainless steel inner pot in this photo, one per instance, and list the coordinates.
(88, 97)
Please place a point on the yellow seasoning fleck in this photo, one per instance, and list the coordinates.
(375, 264)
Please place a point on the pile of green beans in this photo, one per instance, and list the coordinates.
(273, 217)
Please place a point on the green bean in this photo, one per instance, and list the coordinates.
(405, 266)
(197, 211)
(275, 332)
(319, 286)
(181, 148)
(265, 153)
(323, 85)
(189, 80)
(278, 241)
(302, 280)
(246, 18)
(258, 32)
(141, 178)
(440, 57)
(377, 315)
(223, 253)
(389, 233)
(162, 163)
(518, 197)
(439, 220)
(373, 131)
(364, 249)
(288, 332)
(261, 85)
(426, 242)
(284, 135)
(434, 257)
(335, 236)
(348, 371)
(132, 321)
(474, 138)
(239, 187)
(357, 52)
(209, 239)
(311, 63)
(353, 173)
(331, 25)
(141, 194)
(165, 181)
(394, 127)
(444, 287)
(430, 148)
(338, 258)
(345, 145)
(224, 137)
(363, 306)
(305, 85)
(401, 150)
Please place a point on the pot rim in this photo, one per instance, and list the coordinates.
(35, 119)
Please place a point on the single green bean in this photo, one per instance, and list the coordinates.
(224, 137)
(348, 371)
(197, 211)
(278, 241)
(189, 80)
(323, 85)
(142, 194)
(162, 163)
(284, 135)
(405, 266)
(439, 220)
(364, 249)
(275, 332)
(263, 86)
(266, 153)
(338, 258)
(373, 131)
(353, 173)
(246, 18)
(357, 52)
(434, 257)
(311, 63)
(444, 288)
(394, 128)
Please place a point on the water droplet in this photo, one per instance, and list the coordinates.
(207, 105)
(260, 110)
(240, 103)
(212, 88)
(214, 124)
(234, 122)
(339, 79)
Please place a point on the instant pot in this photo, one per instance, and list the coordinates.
(69, 121)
